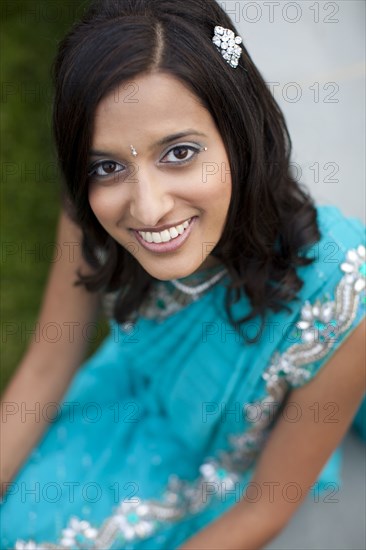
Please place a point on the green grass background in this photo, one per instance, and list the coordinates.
(30, 186)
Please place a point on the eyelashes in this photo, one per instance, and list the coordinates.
(105, 168)
(108, 166)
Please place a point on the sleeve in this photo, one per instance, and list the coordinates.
(330, 313)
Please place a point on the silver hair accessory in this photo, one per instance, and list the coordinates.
(228, 45)
(133, 151)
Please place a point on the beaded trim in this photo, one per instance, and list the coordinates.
(164, 299)
(139, 519)
(320, 324)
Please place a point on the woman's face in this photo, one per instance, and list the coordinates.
(172, 180)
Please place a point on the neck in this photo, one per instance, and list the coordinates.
(205, 271)
(209, 264)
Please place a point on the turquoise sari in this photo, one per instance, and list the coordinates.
(160, 431)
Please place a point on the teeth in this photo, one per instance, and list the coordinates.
(156, 237)
(166, 235)
(173, 232)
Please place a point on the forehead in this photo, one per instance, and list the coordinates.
(151, 104)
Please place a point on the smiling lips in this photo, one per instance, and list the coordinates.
(167, 240)
(166, 235)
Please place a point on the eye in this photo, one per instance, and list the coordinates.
(182, 154)
(105, 168)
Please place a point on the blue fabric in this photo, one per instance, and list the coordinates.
(152, 403)
(359, 422)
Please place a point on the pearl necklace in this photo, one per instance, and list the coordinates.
(195, 290)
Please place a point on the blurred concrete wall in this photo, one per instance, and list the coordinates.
(312, 54)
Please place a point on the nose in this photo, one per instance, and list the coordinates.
(150, 199)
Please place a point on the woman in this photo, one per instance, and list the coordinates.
(236, 304)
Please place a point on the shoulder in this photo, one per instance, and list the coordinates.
(339, 233)
(342, 241)
(332, 301)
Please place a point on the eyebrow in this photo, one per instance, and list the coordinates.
(163, 141)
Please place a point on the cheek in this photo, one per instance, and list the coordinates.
(211, 186)
(104, 204)
(216, 181)
(219, 192)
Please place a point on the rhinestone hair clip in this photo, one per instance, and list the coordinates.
(228, 45)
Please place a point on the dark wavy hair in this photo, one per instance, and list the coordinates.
(272, 218)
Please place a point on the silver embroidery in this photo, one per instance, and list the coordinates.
(163, 299)
(136, 520)
(321, 324)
